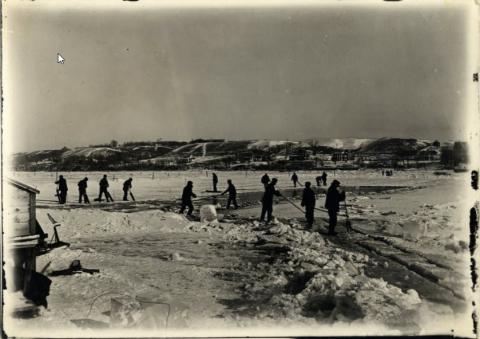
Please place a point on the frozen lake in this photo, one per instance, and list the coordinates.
(236, 273)
(168, 185)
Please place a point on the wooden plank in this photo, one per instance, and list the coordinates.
(33, 218)
(16, 209)
(20, 211)
(17, 195)
(19, 218)
(21, 186)
(20, 231)
(16, 221)
(25, 216)
(16, 229)
(24, 244)
(24, 238)
(13, 223)
(24, 206)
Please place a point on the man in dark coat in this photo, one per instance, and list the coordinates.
(62, 189)
(324, 178)
(187, 198)
(82, 190)
(265, 180)
(332, 204)
(318, 179)
(215, 182)
(104, 189)
(127, 186)
(267, 200)
(308, 201)
(295, 179)
(232, 194)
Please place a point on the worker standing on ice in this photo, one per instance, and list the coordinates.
(308, 201)
(62, 189)
(127, 186)
(267, 200)
(215, 182)
(332, 204)
(265, 180)
(82, 191)
(104, 189)
(295, 179)
(232, 194)
(318, 179)
(324, 178)
(187, 198)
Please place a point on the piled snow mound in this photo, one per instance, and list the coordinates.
(414, 228)
(319, 281)
(280, 229)
(79, 223)
(208, 227)
(432, 227)
(337, 290)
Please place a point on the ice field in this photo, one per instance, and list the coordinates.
(407, 260)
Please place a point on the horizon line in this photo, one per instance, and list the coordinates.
(159, 140)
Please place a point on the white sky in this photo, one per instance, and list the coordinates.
(140, 71)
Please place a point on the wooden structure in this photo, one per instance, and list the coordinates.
(21, 235)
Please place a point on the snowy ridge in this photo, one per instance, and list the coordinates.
(91, 152)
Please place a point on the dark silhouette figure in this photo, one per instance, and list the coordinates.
(332, 204)
(473, 229)
(295, 179)
(474, 177)
(62, 189)
(308, 201)
(232, 194)
(324, 178)
(267, 200)
(265, 180)
(82, 191)
(104, 189)
(215, 182)
(127, 187)
(318, 179)
(187, 198)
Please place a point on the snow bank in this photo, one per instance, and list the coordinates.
(325, 283)
(82, 223)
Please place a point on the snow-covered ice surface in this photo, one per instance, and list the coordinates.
(184, 276)
(169, 185)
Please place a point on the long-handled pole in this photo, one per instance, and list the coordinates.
(57, 190)
(293, 204)
(348, 223)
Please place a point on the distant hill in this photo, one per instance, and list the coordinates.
(342, 143)
(135, 155)
(91, 152)
(394, 145)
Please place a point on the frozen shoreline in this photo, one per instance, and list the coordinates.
(136, 251)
